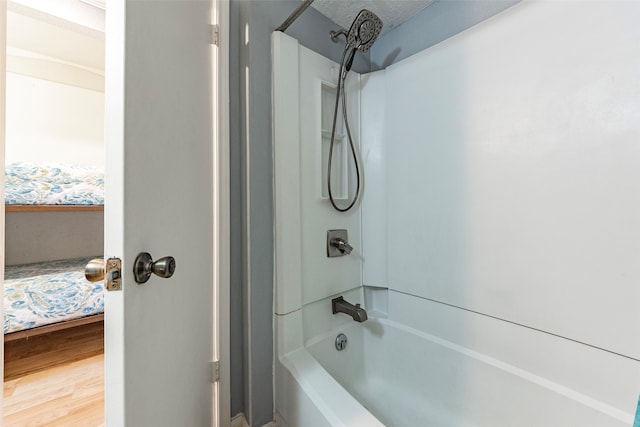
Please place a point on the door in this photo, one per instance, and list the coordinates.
(159, 336)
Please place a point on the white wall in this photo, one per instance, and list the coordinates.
(55, 83)
(512, 171)
(53, 122)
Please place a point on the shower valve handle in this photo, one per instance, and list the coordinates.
(338, 243)
(342, 245)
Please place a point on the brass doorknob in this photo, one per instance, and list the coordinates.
(144, 266)
(95, 270)
(98, 269)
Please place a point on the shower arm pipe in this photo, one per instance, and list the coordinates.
(335, 34)
(283, 27)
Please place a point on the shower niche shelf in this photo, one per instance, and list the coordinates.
(339, 169)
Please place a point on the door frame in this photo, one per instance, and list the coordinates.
(222, 239)
(3, 115)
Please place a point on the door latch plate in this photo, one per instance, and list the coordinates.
(113, 280)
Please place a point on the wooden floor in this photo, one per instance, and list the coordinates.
(33, 354)
(57, 380)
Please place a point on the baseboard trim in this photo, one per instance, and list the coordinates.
(239, 421)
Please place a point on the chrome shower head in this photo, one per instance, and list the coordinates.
(364, 30)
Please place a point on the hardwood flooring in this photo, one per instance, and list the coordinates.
(56, 381)
(40, 352)
(66, 395)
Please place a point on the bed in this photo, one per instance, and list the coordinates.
(53, 293)
(30, 186)
(54, 211)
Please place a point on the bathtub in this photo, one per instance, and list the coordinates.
(392, 375)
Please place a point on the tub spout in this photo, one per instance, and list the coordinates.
(339, 305)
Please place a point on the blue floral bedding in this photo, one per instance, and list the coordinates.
(53, 184)
(49, 292)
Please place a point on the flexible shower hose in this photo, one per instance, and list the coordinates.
(342, 76)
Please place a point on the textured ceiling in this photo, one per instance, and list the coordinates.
(392, 12)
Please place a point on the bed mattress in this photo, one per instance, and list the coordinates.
(49, 292)
(53, 184)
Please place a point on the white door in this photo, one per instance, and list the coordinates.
(159, 336)
(162, 172)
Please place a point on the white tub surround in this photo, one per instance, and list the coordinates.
(500, 238)
(512, 170)
(304, 273)
(508, 193)
(305, 276)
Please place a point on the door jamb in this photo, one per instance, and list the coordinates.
(222, 239)
(3, 115)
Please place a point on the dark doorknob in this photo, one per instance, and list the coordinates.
(144, 266)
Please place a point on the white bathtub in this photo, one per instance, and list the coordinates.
(393, 375)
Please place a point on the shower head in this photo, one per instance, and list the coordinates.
(364, 30)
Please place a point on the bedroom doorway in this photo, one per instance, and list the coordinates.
(54, 219)
(173, 134)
